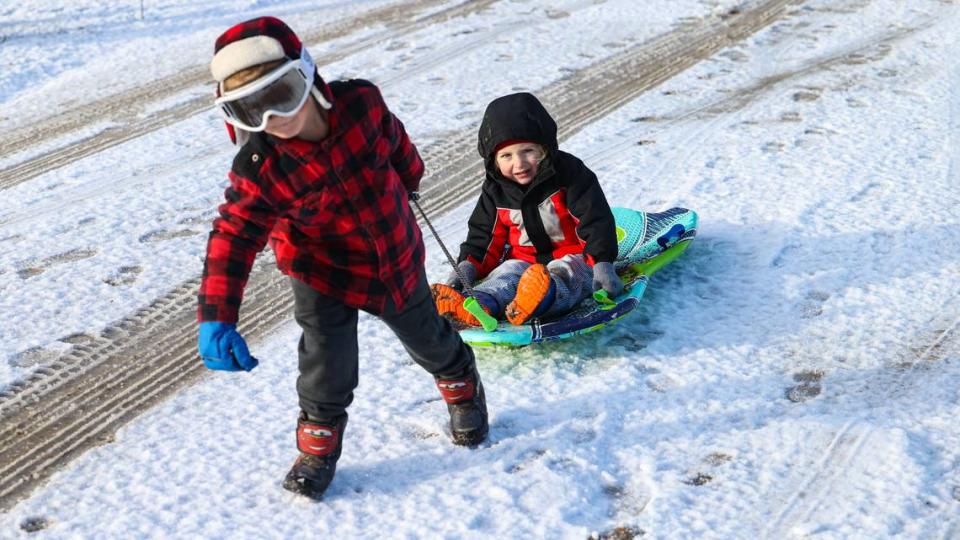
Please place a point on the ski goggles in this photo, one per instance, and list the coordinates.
(282, 92)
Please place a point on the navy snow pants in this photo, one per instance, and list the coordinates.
(328, 352)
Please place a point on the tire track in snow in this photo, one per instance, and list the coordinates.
(849, 441)
(718, 110)
(625, 76)
(423, 64)
(883, 391)
(104, 383)
(801, 506)
(125, 109)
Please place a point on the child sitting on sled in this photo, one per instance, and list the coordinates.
(542, 234)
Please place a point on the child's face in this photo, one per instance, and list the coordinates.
(519, 162)
(288, 127)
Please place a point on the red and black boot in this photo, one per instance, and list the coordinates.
(467, 406)
(319, 444)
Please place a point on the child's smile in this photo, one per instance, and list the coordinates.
(519, 162)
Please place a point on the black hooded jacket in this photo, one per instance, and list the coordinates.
(562, 211)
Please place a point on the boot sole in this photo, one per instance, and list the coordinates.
(532, 288)
(449, 303)
(302, 485)
(471, 438)
(302, 489)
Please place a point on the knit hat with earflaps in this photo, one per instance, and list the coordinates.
(255, 42)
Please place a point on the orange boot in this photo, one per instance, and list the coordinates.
(535, 294)
(449, 303)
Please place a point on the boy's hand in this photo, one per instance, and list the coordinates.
(606, 278)
(413, 196)
(223, 349)
(467, 270)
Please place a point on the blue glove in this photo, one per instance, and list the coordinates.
(606, 278)
(467, 270)
(222, 348)
(413, 196)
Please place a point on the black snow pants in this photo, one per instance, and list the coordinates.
(328, 352)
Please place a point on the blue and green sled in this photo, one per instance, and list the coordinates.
(647, 241)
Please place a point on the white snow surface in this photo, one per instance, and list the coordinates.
(793, 375)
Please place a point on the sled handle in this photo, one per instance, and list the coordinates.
(489, 323)
(603, 298)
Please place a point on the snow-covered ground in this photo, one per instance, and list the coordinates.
(794, 375)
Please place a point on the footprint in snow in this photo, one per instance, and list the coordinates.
(34, 524)
(689, 20)
(735, 56)
(580, 435)
(161, 235)
(773, 147)
(808, 387)
(27, 273)
(810, 94)
(791, 116)
(698, 479)
(614, 491)
(716, 459)
(77, 339)
(812, 304)
(196, 220)
(623, 532)
(125, 275)
(630, 343)
(881, 243)
(526, 459)
(421, 433)
(732, 12)
(854, 59)
(35, 356)
(39, 267)
(661, 382)
(784, 255)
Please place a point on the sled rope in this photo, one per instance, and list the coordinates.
(470, 304)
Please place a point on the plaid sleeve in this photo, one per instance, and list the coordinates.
(403, 154)
(241, 231)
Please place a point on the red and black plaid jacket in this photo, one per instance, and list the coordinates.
(335, 212)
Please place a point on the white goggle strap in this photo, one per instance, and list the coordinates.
(309, 69)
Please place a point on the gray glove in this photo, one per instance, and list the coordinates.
(606, 278)
(467, 270)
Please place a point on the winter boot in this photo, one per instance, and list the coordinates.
(467, 406)
(319, 444)
(449, 303)
(535, 294)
